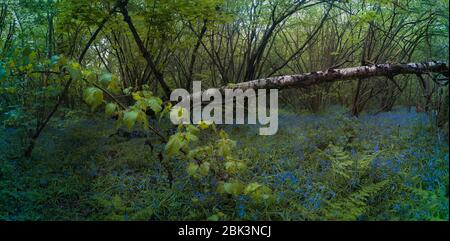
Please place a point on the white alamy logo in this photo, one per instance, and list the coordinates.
(213, 111)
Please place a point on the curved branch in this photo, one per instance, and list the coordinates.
(99, 28)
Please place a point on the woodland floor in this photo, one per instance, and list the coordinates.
(79, 172)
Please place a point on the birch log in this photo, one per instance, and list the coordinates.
(331, 75)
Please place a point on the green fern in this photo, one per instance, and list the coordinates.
(356, 204)
(340, 160)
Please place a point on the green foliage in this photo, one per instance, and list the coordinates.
(356, 204)
(258, 192)
(74, 70)
(2, 71)
(214, 162)
(323, 166)
(93, 97)
(110, 109)
(286, 177)
(233, 187)
(130, 117)
(179, 143)
(137, 113)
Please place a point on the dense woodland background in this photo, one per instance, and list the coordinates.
(85, 134)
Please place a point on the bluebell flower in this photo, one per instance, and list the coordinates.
(241, 210)
(397, 207)
(201, 197)
(332, 194)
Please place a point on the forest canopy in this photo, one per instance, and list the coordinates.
(85, 96)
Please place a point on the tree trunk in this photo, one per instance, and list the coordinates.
(332, 75)
(148, 57)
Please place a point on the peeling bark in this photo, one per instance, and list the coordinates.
(331, 75)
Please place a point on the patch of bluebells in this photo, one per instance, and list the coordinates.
(374, 166)
(200, 196)
(281, 196)
(325, 166)
(284, 178)
(241, 206)
(241, 210)
(314, 201)
(417, 163)
(331, 194)
(308, 187)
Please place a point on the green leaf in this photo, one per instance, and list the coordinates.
(142, 118)
(75, 71)
(200, 152)
(136, 96)
(110, 109)
(190, 137)
(93, 97)
(128, 90)
(129, 118)
(204, 169)
(234, 188)
(193, 130)
(258, 192)
(220, 187)
(32, 56)
(114, 85)
(154, 103)
(230, 167)
(105, 79)
(241, 166)
(233, 166)
(174, 145)
(251, 187)
(203, 124)
(224, 147)
(214, 217)
(146, 93)
(192, 169)
(223, 134)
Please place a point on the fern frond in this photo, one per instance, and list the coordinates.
(355, 205)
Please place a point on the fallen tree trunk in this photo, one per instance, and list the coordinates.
(331, 75)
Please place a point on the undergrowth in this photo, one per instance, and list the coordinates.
(329, 166)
